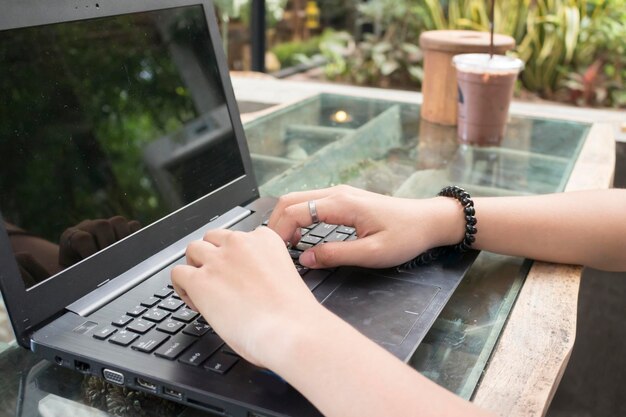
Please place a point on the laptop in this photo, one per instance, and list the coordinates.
(118, 121)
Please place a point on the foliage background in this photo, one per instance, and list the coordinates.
(574, 50)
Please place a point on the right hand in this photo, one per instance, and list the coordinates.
(390, 230)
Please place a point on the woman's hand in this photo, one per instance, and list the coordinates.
(246, 287)
(390, 230)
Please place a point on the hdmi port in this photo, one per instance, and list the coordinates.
(146, 385)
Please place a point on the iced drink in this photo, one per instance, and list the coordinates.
(485, 89)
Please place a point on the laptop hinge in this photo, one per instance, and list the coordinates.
(140, 272)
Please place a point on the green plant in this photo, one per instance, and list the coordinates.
(574, 50)
(389, 56)
(600, 76)
(546, 31)
(292, 53)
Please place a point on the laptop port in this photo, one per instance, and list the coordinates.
(82, 366)
(174, 394)
(113, 376)
(146, 385)
(209, 407)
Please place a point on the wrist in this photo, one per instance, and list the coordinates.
(448, 225)
(286, 339)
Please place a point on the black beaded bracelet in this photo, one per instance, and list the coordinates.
(470, 229)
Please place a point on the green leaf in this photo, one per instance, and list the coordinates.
(572, 30)
(389, 67)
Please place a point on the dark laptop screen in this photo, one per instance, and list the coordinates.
(107, 125)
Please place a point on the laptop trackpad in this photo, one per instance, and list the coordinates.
(382, 308)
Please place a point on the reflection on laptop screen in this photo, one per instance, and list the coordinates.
(118, 116)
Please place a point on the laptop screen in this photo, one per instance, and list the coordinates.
(107, 125)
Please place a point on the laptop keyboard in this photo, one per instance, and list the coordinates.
(314, 235)
(163, 326)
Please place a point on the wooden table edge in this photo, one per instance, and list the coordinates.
(535, 345)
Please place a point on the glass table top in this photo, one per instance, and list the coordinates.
(381, 146)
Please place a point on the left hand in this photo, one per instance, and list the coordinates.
(246, 286)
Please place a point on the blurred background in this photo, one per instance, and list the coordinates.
(574, 50)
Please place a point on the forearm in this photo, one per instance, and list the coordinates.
(345, 374)
(587, 227)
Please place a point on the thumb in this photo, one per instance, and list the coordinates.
(359, 252)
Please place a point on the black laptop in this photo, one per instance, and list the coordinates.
(119, 117)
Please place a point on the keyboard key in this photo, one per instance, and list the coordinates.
(170, 304)
(202, 349)
(229, 350)
(185, 314)
(351, 237)
(302, 269)
(345, 229)
(156, 315)
(221, 363)
(294, 253)
(104, 331)
(150, 341)
(164, 292)
(175, 346)
(150, 302)
(311, 240)
(136, 311)
(122, 321)
(322, 230)
(171, 326)
(140, 326)
(202, 320)
(303, 246)
(123, 338)
(196, 329)
(336, 237)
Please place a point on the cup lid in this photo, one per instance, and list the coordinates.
(486, 63)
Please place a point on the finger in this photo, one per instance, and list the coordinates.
(120, 227)
(67, 255)
(82, 243)
(217, 237)
(295, 238)
(133, 226)
(295, 198)
(366, 252)
(199, 253)
(333, 209)
(102, 231)
(182, 277)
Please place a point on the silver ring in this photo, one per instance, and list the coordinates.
(313, 212)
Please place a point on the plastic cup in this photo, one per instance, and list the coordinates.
(485, 87)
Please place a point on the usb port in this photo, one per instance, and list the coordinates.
(174, 394)
(146, 385)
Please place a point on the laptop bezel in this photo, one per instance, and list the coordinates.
(30, 308)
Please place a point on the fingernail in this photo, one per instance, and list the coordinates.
(307, 258)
